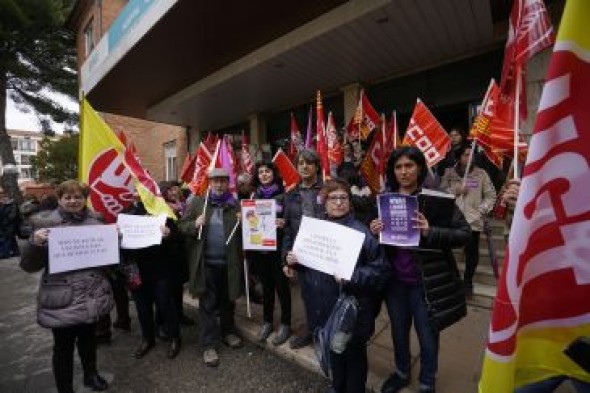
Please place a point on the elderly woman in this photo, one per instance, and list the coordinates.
(70, 303)
(426, 289)
(349, 368)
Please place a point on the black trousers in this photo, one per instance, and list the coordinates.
(64, 340)
(471, 258)
(215, 298)
(349, 369)
(156, 293)
(121, 297)
(267, 266)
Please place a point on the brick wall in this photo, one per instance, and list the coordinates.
(148, 137)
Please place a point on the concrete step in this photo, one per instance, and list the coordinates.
(498, 241)
(484, 274)
(483, 295)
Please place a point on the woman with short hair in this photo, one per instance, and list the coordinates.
(70, 303)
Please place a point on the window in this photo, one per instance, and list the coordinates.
(89, 37)
(14, 143)
(25, 159)
(170, 157)
(26, 173)
(26, 144)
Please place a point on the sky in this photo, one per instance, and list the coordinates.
(17, 120)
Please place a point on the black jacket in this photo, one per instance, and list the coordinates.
(293, 213)
(371, 274)
(439, 275)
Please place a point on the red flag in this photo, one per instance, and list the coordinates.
(372, 164)
(247, 165)
(335, 151)
(365, 119)
(296, 140)
(426, 133)
(530, 31)
(199, 182)
(188, 168)
(481, 128)
(225, 159)
(286, 169)
(542, 301)
(322, 147)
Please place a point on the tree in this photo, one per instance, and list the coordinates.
(57, 159)
(37, 57)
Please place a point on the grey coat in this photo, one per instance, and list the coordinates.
(68, 298)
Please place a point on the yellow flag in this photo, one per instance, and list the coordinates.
(111, 172)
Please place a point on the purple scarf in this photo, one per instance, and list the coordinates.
(268, 191)
(225, 199)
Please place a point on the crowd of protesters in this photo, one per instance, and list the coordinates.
(420, 286)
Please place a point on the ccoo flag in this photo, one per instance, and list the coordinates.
(112, 171)
(542, 302)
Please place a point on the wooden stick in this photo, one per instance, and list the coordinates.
(248, 310)
(469, 162)
(204, 211)
(233, 231)
(516, 121)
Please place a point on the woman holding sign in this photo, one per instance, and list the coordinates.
(70, 303)
(348, 364)
(426, 287)
(267, 264)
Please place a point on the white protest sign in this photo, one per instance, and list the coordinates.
(328, 247)
(82, 247)
(140, 231)
(259, 228)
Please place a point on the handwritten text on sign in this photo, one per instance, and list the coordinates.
(328, 247)
(82, 247)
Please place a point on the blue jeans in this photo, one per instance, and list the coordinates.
(405, 304)
(550, 384)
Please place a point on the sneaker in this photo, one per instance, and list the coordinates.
(394, 383)
(282, 335)
(232, 341)
(210, 358)
(265, 331)
(301, 341)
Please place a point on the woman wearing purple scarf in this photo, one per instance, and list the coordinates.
(267, 264)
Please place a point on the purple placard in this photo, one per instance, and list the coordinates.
(397, 212)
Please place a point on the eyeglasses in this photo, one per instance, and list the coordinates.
(336, 198)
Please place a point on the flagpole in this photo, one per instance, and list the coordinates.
(516, 120)
(469, 162)
(204, 211)
(247, 287)
(233, 231)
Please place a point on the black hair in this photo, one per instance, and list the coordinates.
(413, 154)
(276, 176)
(459, 150)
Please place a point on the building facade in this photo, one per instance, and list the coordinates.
(205, 66)
(161, 147)
(25, 144)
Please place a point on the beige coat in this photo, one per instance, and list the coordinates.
(480, 197)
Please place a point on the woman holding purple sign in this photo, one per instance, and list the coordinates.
(426, 288)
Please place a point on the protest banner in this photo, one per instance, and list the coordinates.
(259, 229)
(328, 247)
(397, 212)
(81, 247)
(140, 231)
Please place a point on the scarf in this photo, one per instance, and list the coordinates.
(225, 199)
(69, 217)
(268, 191)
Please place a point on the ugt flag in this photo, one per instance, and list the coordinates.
(112, 171)
(542, 304)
